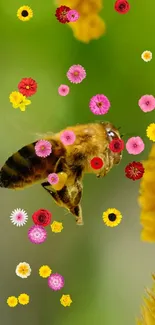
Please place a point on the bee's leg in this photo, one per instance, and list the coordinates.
(60, 166)
(53, 193)
(77, 212)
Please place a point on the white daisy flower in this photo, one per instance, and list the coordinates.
(23, 270)
(146, 56)
(19, 217)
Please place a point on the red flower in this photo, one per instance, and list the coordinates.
(134, 170)
(27, 87)
(122, 6)
(42, 217)
(116, 145)
(61, 14)
(96, 163)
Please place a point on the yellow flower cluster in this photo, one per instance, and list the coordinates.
(89, 26)
(146, 199)
(23, 299)
(66, 300)
(18, 100)
(148, 309)
(56, 226)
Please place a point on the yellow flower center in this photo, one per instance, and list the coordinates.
(27, 87)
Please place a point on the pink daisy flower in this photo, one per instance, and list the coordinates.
(99, 105)
(37, 234)
(76, 74)
(19, 217)
(135, 145)
(56, 281)
(43, 148)
(147, 103)
(67, 137)
(72, 16)
(53, 178)
(63, 90)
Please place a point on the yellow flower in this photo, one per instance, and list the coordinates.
(66, 300)
(23, 299)
(148, 309)
(84, 7)
(12, 301)
(112, 217)
(56, 226)
(146, 56)
(24, 13)
(45, 271)
(150, 132)
(18, 100)
(88, 28)
(23, 270)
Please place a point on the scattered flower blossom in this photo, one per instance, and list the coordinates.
(116, 145)
(53, 178)
(96, 163)
(76, 74)
(56, 226)
(45, 271)
(61, 14)
(37, 234)
(66, 300)
(122, 6)
(146, 56)
(23, 270)
(56, 281)
(134, 170)
(150, 132)
(63, 90)
(24, 13)
(42, 217)
(72, 16)
(135, 145)
(19, 217)
(99, 105)
(67, 137)
(43, 148)
(12, 301)
(23, 299)
(18, 100)
(147, 103)
(27, 87)
(112, 217)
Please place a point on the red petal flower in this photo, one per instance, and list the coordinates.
(134, 170)
(96, 163)
(42, 217)
(122, 6)
(27, 87)
(116, 145)
(61, 14)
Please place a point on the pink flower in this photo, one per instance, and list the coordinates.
(63, 90)
(43, 148)
(135, 145)
(99, 105)
(76, 74)
(147, 103)
(72, 16)
(56, 281)
(37, 234)
(53, 178)
(67, 137)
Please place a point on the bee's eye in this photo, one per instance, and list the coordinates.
(111, 134)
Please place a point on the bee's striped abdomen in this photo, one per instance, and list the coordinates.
(24, 167)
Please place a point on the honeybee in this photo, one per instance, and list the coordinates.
(24, 168)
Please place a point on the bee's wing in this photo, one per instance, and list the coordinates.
(43, 135)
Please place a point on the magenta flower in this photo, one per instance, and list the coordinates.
(76, 74)
(37, 234)
(135, 145)
(147, 103)
(67, 137)
(43, 148)
(63, 90)
(99, 105)
(72, 16)
(53, 178)
(56, 281)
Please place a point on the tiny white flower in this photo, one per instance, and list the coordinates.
(23, 270)
(19, 217)
(146, 56)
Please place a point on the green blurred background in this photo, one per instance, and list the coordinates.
(105, 269)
